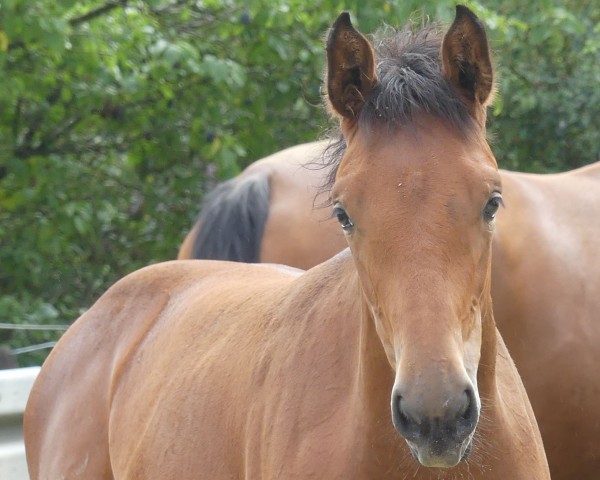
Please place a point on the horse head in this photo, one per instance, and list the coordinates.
(416, 192)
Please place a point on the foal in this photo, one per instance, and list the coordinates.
(383, 362)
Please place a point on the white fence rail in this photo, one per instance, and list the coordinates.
(15, 385)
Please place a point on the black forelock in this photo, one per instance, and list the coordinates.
(410, 81)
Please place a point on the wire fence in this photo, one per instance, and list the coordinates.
(32, 327)
(33, 348)
(25, 326)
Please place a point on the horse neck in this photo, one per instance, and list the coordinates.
(486, 373)
(375, 374)
(372, 373)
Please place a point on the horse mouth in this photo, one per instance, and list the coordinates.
(431, 455)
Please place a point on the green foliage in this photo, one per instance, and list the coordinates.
(115, 118)
(546, 115)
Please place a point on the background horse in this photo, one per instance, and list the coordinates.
(349, 370)
(545, 273)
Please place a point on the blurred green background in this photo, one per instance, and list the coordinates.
(116, 116)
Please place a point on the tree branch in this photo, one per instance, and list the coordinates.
(97, 12)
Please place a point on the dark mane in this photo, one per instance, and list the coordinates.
(410, 81)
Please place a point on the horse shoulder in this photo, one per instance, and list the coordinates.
(536, 233)
(289, 388)
(545, 239)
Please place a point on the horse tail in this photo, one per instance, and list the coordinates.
(232, 220)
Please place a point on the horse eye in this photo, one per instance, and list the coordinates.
(343, 218)
(489, 212)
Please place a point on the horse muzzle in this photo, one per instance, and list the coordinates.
(438, 454)
(439, 437)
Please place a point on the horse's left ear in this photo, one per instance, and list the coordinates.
(466, 58)
(350, 68)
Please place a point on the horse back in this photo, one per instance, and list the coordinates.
(72, 401)
(544, 285)
(231, 372)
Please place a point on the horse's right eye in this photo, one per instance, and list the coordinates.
(343, 218)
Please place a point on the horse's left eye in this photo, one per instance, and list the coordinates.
(491, 208)
(343, 218)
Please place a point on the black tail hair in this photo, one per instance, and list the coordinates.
(232, 220)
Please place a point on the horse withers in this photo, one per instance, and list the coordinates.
(383, 362)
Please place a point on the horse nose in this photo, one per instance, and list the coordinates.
(449, 418)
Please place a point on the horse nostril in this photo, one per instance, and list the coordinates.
(466, 407)
(468, 415)
(404, 423)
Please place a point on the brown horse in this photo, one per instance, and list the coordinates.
(545, 277)
(225, 370)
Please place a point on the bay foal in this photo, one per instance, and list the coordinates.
(383, 362)
(544, 277)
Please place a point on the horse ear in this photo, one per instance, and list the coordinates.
(350, 68)
(466, 58)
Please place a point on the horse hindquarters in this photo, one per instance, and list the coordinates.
(232, 221)
(65, 429)
(66, 420)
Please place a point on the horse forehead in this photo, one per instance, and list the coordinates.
(420, 160)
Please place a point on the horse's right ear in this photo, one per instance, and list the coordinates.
(350, 68)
